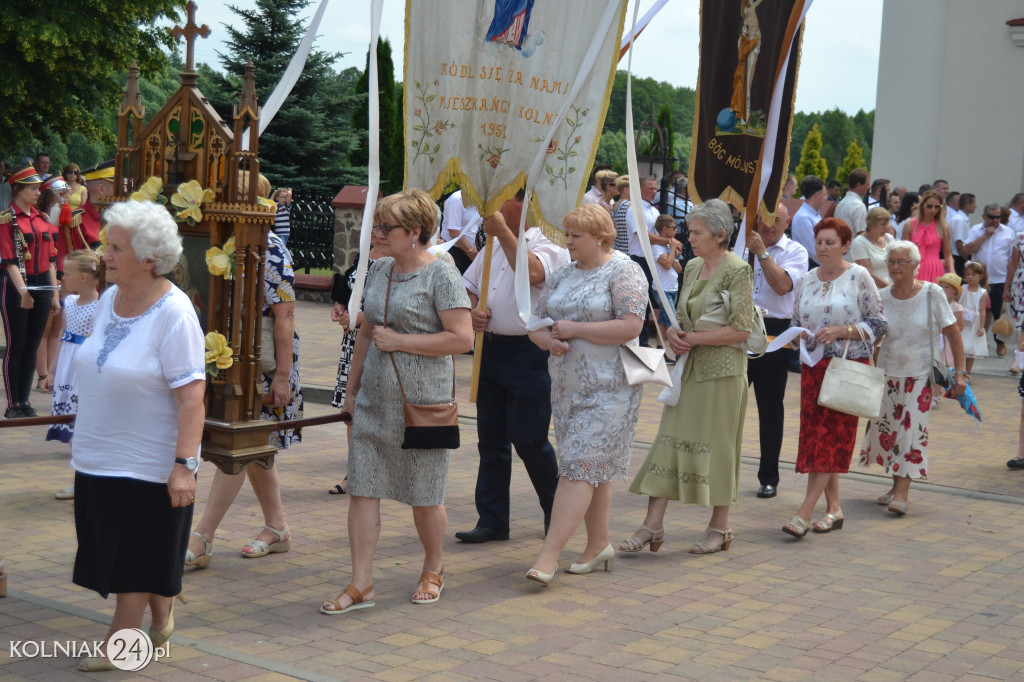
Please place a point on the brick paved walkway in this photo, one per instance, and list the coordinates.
(935, 595)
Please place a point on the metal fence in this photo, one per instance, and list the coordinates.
(312, 231)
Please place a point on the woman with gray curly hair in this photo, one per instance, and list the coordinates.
(696, 455)
(917, 311)
(141, 378)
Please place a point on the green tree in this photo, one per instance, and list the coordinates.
(837, 130)
(854, 159)
(391, 145)
(58, 64)
(302, 145)
(811, 162)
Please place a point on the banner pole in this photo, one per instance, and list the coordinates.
(478, 346)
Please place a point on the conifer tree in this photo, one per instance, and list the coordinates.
(854, 160)
(302, 145)
(811, 161)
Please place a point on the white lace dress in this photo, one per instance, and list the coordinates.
(595, 409)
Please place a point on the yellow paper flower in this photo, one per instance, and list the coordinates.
(150, 190)
(218, 352)
(219, 261)
(189, 197)
(103, 242)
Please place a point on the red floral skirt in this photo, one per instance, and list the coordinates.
(827, 437)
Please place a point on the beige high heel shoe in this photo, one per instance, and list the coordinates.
(705, 547)
(607, 555)
(160, 636)
(637, 543)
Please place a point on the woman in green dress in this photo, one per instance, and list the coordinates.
(696, 455)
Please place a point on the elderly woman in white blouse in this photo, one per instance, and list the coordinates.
(869, 247)
(917, 312)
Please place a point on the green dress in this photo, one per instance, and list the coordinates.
(696, 456)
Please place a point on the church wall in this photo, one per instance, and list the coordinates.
(950, 102)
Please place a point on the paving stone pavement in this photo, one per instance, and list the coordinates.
(934, 595)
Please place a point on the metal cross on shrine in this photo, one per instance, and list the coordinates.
(190, 32)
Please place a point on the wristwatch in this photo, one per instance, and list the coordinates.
(191, 463)
(763, 255)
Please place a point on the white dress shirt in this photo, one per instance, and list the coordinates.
(803, 227)
(994, 251)
(1016, 222)
(852, 211)
(651, 216)
(465, 221)
(501, 296)
(593, 196)
(791, 257)
(959, 227)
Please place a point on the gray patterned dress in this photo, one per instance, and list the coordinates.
(594, 407)
(378, 467)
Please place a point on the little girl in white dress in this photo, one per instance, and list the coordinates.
(81, 275)
(974, 299)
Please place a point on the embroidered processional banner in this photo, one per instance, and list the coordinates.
(485, 81)
(746, 86)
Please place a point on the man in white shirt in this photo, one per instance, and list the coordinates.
(648, 191)
(779, 264)
(959, 226)
(514, 396)
(851, 210)
(462, 222)
(813, 190)
(1016, 222)
(879, 193)
(990, 243)
(596, 191)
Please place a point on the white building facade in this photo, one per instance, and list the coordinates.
(950, 101)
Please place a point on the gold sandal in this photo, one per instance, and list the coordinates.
(429, 580)
(637, 543)
(705, 547)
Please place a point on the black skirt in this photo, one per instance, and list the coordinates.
(130, 538)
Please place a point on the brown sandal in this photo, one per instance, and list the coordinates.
(357, 600)
(428, 581)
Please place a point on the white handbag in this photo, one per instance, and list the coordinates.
(644, 365)
(852, 387)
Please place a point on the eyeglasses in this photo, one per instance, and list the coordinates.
(991, 217)
(386, 229)
(901, 263)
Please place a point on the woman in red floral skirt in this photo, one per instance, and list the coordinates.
(898, 439)
(839, 303)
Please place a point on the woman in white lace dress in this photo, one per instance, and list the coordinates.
(597, 303)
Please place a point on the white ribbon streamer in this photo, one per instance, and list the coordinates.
(355, 303)
(644, 20)
(289, 78)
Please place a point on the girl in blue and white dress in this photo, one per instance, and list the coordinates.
(81, 275)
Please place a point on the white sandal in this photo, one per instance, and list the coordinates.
(258, 548)
(204, 559)
(796, 527)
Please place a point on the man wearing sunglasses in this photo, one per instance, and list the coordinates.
(990, 243)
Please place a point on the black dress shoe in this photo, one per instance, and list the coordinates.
(28, 411)
(766, 491)
(1016, 463)
(13, 413)
(480, 534)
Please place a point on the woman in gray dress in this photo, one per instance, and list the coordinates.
(597, 304)
(427, 322)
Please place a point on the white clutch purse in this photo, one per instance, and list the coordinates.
(644, 365)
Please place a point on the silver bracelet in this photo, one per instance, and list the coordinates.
(961, 373)
(23, 288)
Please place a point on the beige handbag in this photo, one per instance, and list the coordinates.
(644, 365)
(268, 354)
(715, 314)
(852, 387)
(1003, 326)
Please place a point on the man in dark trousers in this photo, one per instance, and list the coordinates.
(513, 404)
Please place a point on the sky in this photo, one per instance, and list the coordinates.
(838, 67)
